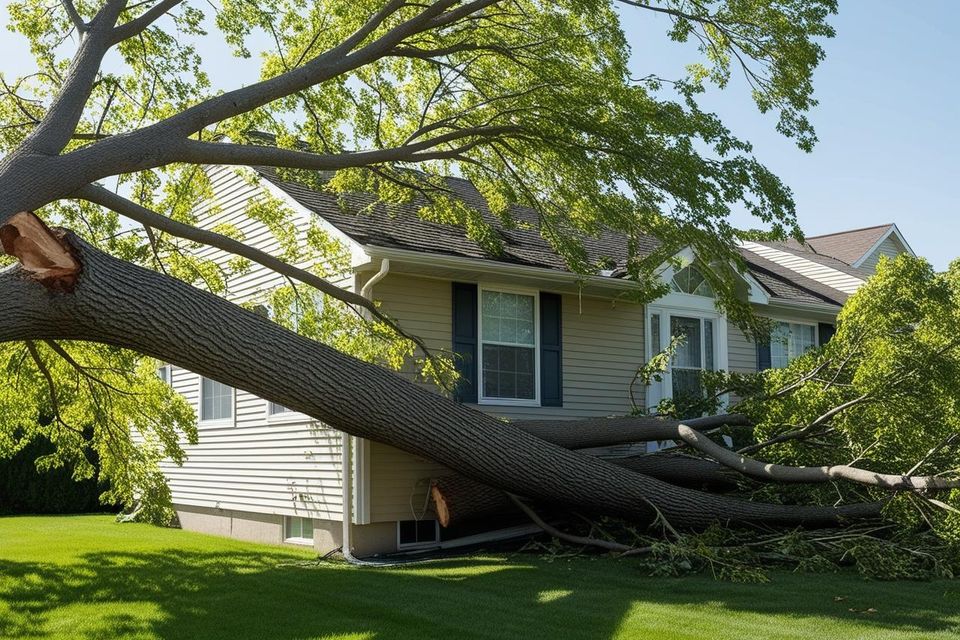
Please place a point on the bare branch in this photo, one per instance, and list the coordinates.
(138, 25)
(75, 18)
(615, 547)
(784, 473)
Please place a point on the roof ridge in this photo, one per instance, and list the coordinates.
(841, 233)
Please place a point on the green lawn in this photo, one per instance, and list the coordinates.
(86, 577)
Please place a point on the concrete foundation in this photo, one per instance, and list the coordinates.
(368, 539)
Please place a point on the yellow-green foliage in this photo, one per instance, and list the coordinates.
(105, 400)
(895, 364)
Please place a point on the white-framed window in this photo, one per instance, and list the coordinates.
(509, 346)
(277, 413)
(274, 409)
(704, 348)
(165, 373)
(298, 530)
(689, 280)
(412, 534)
(696, 353)
(216, 401)
(790, 340)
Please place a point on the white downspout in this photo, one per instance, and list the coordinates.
(346, 446)
(367, 290)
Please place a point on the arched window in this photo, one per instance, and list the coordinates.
(689, 280)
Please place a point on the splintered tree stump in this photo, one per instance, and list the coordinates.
(457, 498)
(43, 253)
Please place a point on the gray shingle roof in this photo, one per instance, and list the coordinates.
(786, 284)
(848, 246)
(402, 228)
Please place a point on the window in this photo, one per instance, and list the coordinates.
(165, 373)
(216, 401)
(694, 355)
(417, 533)
(508, 346)
(790, 340)
(298, 530)
(689, 280)
(275, 409)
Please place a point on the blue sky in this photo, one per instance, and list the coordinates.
(888, 119)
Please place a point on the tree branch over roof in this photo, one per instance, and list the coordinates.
(104, 197)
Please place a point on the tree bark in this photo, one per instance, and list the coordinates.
(605, 432)
(120, 304)
(457, 498)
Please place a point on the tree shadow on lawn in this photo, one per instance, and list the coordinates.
(176, 594)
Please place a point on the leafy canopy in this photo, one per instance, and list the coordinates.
(535, 101)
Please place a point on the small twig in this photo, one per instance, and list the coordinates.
(615, 547)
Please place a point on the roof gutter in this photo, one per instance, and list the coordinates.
(504, 268)
(824, 307)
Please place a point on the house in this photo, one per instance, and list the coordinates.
(542, 343)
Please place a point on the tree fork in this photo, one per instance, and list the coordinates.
(120, 304)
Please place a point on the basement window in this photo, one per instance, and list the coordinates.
(417, 533)
(298, 530)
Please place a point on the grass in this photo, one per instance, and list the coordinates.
(87, 577)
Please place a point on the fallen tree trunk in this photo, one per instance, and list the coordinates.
(120, 304)
(457, 498)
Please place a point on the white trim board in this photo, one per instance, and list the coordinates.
(892, 231)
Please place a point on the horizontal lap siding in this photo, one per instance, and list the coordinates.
(742, 352)
(254, 465)
(232, 196)
(890, 247)
(602, 349)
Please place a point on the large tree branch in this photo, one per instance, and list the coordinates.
(74, 16)
(605, 432)
(58, 126)
(784, 473)
(327, 65)
(268, 155)
(129, 209)
(141, 23)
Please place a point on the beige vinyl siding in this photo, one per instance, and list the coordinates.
(256, 465)
(890, 247)
(602, 348)
(399, 484)
(602, 344)
(742, 352)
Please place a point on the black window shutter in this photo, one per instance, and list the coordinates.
(465, 339)
(825, 331)
(763, 356)
(551, 351)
